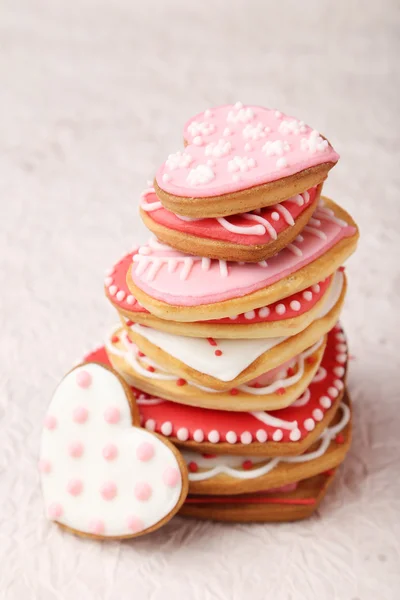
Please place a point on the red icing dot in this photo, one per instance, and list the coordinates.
(150, 368)
(256, 385)
(281, 391)
(233, 392)
(83, 379)
(193, 467)
(339, 439)
(80, 414)
(310, 360)
(75, 449)
(110, 452)
(209, 455)
(211, 341)
(50, 422)
(247, 464)
(75, 487)
(290, 372)
(140, 354)
(114, 339)
(112, 415)
(145, 451)
(342, 269)
(130, 323)
(181, 382)
(329, 472)
(218, 353)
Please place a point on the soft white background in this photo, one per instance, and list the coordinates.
(93, 94)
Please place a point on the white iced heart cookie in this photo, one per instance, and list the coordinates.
(102, 475)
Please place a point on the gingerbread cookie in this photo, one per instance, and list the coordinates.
(225, 364)
(286, 432)
(180, 287)
(102, 475)
(282, 318)
(217, 474)
(276, 388)
(240, 158)
(291, 503)
(251, 236)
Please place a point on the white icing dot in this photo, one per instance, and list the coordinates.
(150, 424)
(307, 295)
(338, 383)
(182, 434)
(109, 271)
(339, 371)
(238, 105)
(318, 414)
(309, 424)
(341, 347)
(325, 402)
(247, 147)
(341, 358)
(207, 113)
(112, 290)
(226, 131)
(341, 337)
(295, 305)
(144, 250)
(120, 295)
(280, 309)
(246, 437)
(200, 174)
(281, 163)
(278, 114)
(233, 318)
(166, 428)
(130, 299)
(316, 288)
(231, 437)
(236, 177)
(299, 238)
(277, 435)
(249, 315)
(166, 177)
(261, 436)
(275, 216)
(197, 140)
(333, 392)
(198, 435)
(295, 435)
(213, 436)
(108, 281)
(264, 312)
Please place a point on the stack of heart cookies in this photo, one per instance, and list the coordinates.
(229, 314)
(221, 392)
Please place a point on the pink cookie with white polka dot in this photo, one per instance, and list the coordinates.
(241, 158)
(102, 475)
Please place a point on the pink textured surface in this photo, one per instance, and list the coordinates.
(93, 98)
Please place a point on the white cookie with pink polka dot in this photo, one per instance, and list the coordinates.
(103, 476)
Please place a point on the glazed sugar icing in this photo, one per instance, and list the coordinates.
(188, 423)
(183, 280)
(293, 306)
(257, 227)
(235, 147)
(236, 355)
(100, 474)
(279, 378)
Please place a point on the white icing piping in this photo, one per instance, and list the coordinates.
(325, 440)
(263, 225)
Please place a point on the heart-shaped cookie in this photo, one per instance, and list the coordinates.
(239, 158)
(102, 475)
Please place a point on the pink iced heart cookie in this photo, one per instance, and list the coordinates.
(239, 158)
(250, 236)
(173, 285)
(102, 475)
